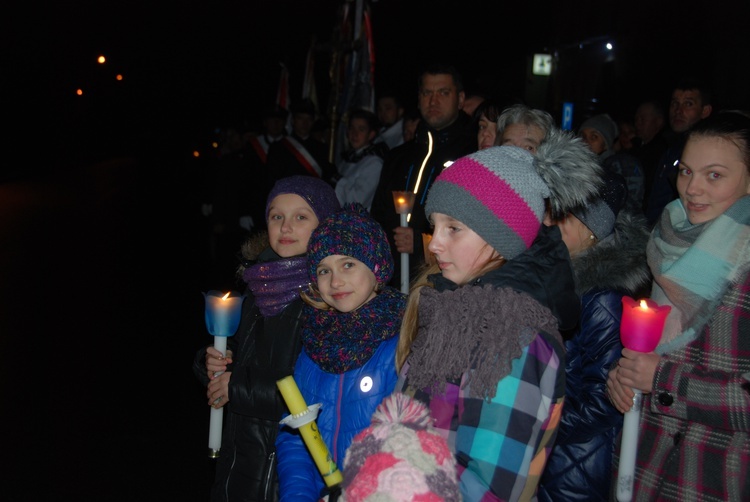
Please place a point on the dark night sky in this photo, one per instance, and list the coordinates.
(190, 66)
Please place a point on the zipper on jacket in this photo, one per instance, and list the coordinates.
(338, 420)
(268, 482)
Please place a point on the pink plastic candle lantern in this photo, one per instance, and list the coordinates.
(642, 324)
(640, 330)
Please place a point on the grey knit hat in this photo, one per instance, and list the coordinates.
(500, 192)
(604, 125)
(600, 215)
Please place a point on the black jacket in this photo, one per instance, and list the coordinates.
(264, 351)
(400, 171)
(283, 163)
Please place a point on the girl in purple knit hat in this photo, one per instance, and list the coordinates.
(349, 338)
(267, 342)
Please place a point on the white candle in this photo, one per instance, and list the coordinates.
(217, 414)
(628, 449)
(404, 262)
(403, 202)
(222, 320)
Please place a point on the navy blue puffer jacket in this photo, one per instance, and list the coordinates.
(580, 465)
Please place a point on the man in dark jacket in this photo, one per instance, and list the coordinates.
(444, 134)
(300, 153)
(690, 103)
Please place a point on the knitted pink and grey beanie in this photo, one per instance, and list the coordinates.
(501, 192)
(400, 458)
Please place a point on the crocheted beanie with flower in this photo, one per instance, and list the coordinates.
(400, 457)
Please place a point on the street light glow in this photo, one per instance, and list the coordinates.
(101, 59)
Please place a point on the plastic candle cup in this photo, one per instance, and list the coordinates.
(640, 330)
(642, 324)
(223, 312)
(403, 203)
(303, 418)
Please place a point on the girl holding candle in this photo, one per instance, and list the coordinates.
(349, 342)
(694, 441)
(267, 342)
(480, 342)
(608, 252)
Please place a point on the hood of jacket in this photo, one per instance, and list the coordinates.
(543, 272)
(617, 262)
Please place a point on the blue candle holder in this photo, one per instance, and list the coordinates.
(223, 312)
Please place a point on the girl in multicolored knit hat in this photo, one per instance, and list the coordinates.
(481, 343)
(267, 342)
(349, 337)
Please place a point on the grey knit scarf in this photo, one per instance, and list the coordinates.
(481, 329)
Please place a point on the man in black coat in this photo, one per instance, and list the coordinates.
(444, 134)
(300, 153)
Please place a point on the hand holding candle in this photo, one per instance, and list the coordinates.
(222, 320)
(640, 330)
(403, 203)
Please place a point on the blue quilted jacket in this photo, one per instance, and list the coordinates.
(349, 399)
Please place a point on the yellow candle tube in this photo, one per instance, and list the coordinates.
(292, 396)
(309, 430)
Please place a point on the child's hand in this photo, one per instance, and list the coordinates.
(403, 238)
(218, 390)
(216, 363)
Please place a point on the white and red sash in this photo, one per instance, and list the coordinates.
(260, 145)
(303, 156)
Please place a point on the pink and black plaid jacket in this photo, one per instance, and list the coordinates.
(695, 431)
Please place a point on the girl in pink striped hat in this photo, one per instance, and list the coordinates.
(481, 341)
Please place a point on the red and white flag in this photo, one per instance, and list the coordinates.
(308, 86)
(282, 95)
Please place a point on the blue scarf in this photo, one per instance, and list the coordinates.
(694, 265)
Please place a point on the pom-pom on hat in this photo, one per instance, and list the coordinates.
(500, 192)
(400, 457)
(351, 232)
(600, 215)
(317, 193)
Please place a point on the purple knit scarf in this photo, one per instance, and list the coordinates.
(275, 284)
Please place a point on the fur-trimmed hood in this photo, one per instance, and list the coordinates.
(617, 262)
(251, 250)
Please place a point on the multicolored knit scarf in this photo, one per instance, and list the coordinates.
(276, 283)
(693, 265)
(342, 341)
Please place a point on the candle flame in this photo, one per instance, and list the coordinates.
(225, 296)
(644, 305)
